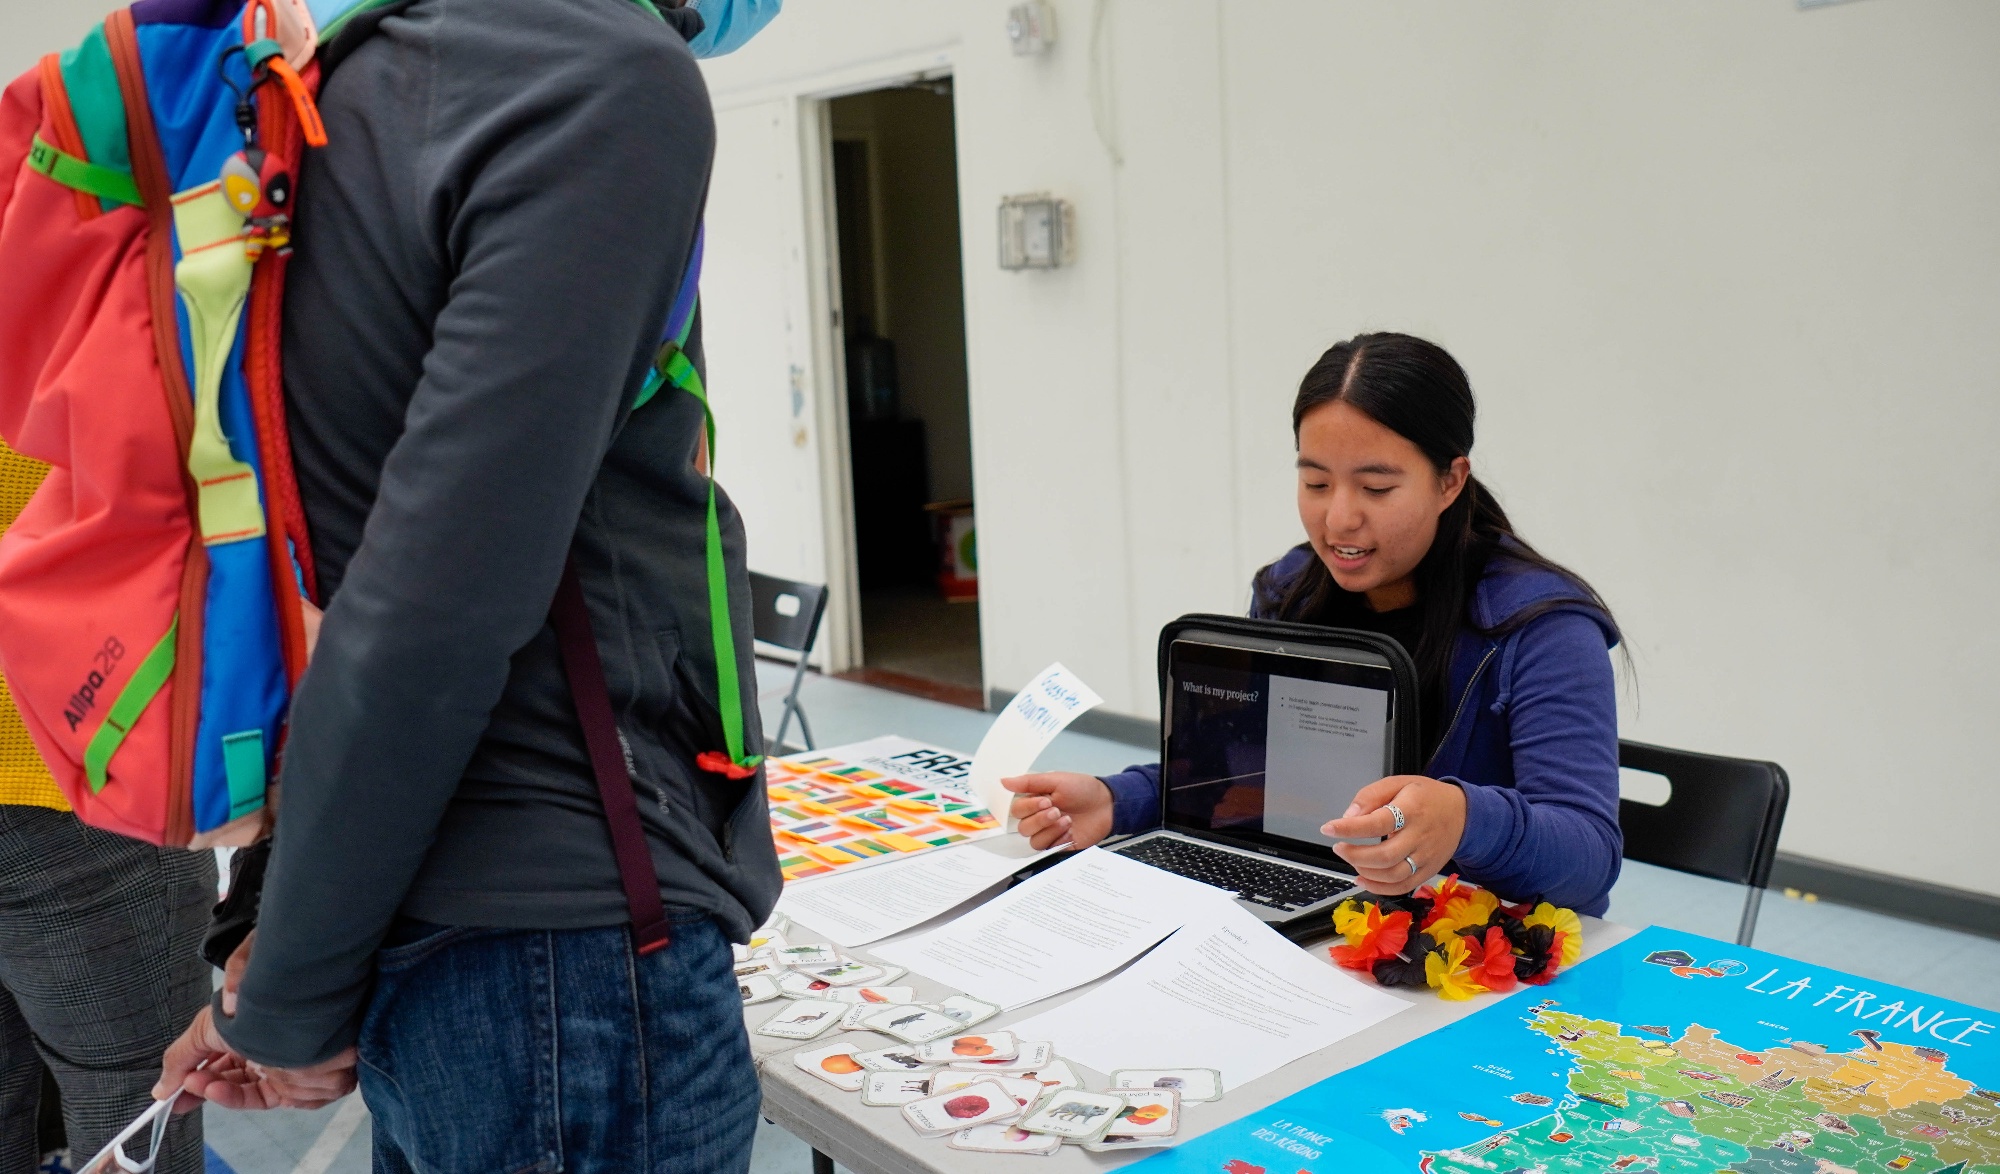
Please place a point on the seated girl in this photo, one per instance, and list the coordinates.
(1518, 718)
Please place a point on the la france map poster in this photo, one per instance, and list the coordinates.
(1669, 1052)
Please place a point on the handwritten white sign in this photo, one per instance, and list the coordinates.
(1018, 736)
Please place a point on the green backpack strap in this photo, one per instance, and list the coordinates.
(106, 183)
(673, 368)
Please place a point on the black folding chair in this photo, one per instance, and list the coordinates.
(786, 614)
(1721, 820)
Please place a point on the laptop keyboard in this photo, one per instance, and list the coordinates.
(1252, 878)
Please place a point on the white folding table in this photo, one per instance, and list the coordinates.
(872, 1140)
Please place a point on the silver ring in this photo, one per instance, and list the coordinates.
(1398, 813)
(1411, 861)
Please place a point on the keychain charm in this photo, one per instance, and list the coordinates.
(256, 184)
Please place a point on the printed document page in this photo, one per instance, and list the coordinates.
(1225, 992)
(855, 907)
(1324, 742)
(1076, 922)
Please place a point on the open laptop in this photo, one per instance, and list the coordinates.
(1264, 740)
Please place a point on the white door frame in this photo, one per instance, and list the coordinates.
(840, 631)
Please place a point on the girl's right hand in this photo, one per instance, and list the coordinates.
(1057, 807)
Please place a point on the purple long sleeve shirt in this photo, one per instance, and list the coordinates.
(1531, 737)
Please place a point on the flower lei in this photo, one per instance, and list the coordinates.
(1455, 938)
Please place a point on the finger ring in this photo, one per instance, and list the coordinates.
(1411, 861)
(1398, 813)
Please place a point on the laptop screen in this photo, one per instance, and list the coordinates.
(1265, 744)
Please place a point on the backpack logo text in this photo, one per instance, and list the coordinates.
(84, 699)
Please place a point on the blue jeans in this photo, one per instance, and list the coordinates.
(489, 1051)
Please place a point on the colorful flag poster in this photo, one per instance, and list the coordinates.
(877, 800)
(1669, 1052)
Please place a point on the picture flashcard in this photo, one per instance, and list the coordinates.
(858, 1014)
(912, 1025)
(1148, 1112)
(1004, 1138)
(803, 1020)
(758, 988)
(966, 1010)
(1024, 1092)
(962, 1108)
(946, 1080)
(845, 972)
(806, 955)
(1057, 1074)
(1194, 1084)
(994, 1045)
(902, 1058)
(1113, 1145)
(836, 1065)
(879, 996)
(1027, 1058)
(891, 1089)
(797, 984)
(1074, 1114)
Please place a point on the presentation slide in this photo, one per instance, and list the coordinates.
(1323, 743)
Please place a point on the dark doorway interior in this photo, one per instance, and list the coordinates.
(909, 425)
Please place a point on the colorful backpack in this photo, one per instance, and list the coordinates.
(150, 626)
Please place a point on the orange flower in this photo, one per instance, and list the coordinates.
(1438, 893)
(1492, 961)
(1370, 935)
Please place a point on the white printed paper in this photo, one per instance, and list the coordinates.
(1225, 992)
(1023, 730)
(1323, 742)
(1076, 922)
(856, 906)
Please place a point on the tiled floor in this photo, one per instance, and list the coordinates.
(1929, 958)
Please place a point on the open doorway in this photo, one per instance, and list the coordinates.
(895, 195)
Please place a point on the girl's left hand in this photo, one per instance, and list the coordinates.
(1433, 822)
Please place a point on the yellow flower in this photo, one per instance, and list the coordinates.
(1448, 974)
(1350, 920)
(1464, 908)
(1482, 901)
(1565, 922)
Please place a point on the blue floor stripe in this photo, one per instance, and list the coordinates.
(212, 1162)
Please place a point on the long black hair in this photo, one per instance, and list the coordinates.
(1417, 390)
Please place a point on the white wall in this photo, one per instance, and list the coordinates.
(1725, 274)
(30, 28)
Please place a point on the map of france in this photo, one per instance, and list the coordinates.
(1639, 1101)
(1666, 1052)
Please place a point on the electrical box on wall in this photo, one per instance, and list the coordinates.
(1036, 232)
(1031, 28)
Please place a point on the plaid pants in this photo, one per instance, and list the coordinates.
(100, 969)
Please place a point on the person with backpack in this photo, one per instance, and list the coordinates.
(1518, 713)
(483, 419)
